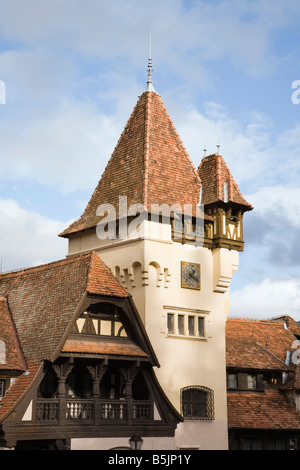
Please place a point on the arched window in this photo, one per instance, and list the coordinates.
(197, 402)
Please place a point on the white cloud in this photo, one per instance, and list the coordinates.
(68, 150)
(277, 204)
(27, 238)
(240, 31)
(271, 297)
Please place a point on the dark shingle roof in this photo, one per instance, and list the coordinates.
(43, 300)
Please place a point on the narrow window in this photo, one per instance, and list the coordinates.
(170, 322)
(191, 325)
(251, 381)
(200, 326)
(231, 381)
(181, 324)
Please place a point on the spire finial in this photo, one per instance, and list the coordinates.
(149, 82)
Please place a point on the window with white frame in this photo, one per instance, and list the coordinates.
(186, 323)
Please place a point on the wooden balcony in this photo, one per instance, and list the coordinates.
(93, 411)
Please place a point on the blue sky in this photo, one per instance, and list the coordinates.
(73, 72)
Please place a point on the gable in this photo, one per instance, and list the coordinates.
(103, 329)
(43, 300)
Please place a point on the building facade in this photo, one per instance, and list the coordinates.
(171, 234)
(76, 365)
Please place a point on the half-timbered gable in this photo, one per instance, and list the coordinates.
(78, 359)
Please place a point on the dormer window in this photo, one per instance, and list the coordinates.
(226, 191)
(2, 352)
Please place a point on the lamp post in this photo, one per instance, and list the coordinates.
(136, 442)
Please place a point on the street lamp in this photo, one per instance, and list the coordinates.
(136, 442)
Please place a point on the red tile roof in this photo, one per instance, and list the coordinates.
(269, 410)
(112, 348)
(21, 386)
(43, 300)
(38, 305)
(149, 166)
(261, 345)
(257, 344)
(214, 172)
(292, 325)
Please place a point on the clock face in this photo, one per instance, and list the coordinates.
(190, 275)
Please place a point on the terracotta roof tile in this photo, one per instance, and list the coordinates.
(149, 166)
(214, 172)
(114, 348)
(257, 344)
(292, 325)
(261, 410)
(43, 300)
(21, 385)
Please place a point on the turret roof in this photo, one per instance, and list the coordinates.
(214, 173)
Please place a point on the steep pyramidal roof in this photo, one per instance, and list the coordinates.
(149, 166)
(215, 174)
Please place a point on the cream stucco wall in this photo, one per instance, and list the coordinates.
(151, 270)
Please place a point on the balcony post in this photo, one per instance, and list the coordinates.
(97, 372)
(129, 375)
(62, 371)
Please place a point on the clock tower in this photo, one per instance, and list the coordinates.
(171, 234)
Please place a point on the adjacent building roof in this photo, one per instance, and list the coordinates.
(257, 344)
(38, 308)
(218, 183)
(43, 300)
(19, 388)
(260, 346)
(268, 410)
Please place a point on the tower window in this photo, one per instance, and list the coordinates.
(170, 323)
(186, 325)
(191, 326)
(181, 324)
(197, 403)
(200, 326)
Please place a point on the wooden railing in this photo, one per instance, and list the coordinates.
(93, 411)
